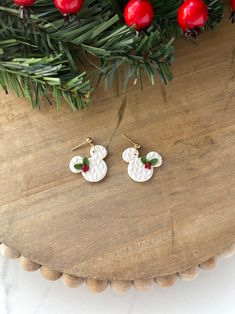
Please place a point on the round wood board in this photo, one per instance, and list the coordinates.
(119, 229)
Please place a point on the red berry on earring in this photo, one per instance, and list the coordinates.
(148, 165)
(85, 168)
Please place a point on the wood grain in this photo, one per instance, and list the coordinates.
(119, 229)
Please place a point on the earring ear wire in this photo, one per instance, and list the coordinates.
(136, 145)
(87, 141)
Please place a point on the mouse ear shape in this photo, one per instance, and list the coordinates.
(76, 164)
(98, 151)
(155, 159)
(129, 154)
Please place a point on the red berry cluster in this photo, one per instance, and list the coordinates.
(192, 15)
(148, 165)
(84, 166)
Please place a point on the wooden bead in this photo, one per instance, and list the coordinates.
(8, 252)
(96, 285)
(166, 281)
(28, 265)
(189, 274)
(229, 251)
(121, 286)
(210, 263)
(72, 281)
(143, 284)
(50, 274)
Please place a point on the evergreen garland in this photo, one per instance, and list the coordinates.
(44, 54)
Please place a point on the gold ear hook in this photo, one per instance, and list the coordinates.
(87, 141)
(136, 145)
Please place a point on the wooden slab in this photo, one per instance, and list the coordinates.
(119, 229)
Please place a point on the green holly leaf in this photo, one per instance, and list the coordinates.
(154, 161)
(78, 166)
(143, 160)
(86, 161)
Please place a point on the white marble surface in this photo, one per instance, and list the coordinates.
(213, 292)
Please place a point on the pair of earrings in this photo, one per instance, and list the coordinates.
(94, 168)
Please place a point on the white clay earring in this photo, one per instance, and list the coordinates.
(93, 168)
(140, 169)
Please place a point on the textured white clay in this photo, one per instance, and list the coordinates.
(136, 169)
(97, 167)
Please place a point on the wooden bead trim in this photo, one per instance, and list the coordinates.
(210, 263)
(50, 274)
(229, 251)
(95, 285)
(166, 281)
(72, 281)
(28, 265)
(118, 286)
(189, 274)
(8, 252)
(143, 284)
(121, 286)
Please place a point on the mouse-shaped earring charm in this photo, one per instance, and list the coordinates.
(140, 169)
(93, 168)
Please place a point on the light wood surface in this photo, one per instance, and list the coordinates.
(118, 229)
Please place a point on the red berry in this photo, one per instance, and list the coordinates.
(85, 168)
(232, 3)
(139, 13)
(24, 3)
(148, 165)
(232, 17)
(69, 6)
(192, 14)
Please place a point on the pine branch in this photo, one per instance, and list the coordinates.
(36, 76)
(117, 8)
(103, 37)
(97, 32)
